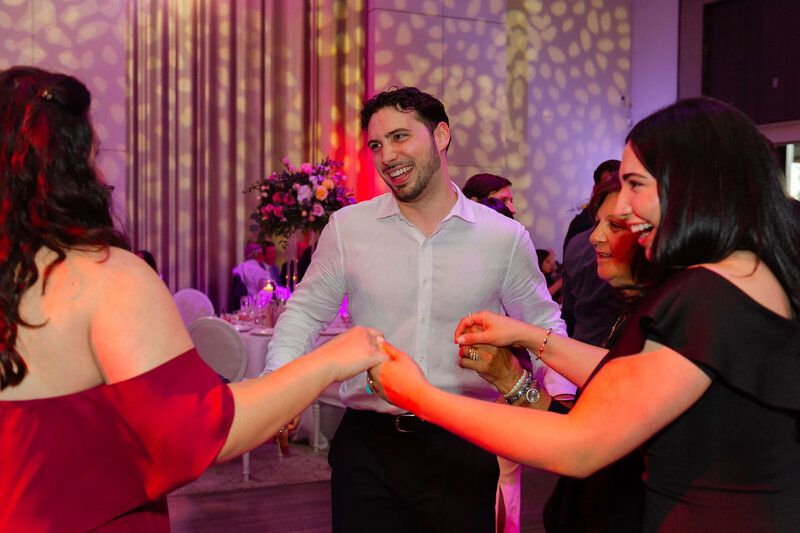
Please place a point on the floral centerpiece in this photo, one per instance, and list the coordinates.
(297, 200)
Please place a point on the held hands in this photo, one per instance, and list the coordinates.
(399, 380)
(348, 354)
(498, 330)
(496, 365)
(354, 351)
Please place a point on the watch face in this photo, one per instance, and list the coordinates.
(532, 395)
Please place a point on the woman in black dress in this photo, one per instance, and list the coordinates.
(704, 377)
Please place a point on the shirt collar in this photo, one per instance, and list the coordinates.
(464, 208)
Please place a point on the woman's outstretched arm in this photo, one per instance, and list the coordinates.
(628, 401)
(266, 403)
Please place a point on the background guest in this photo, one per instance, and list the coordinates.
(497, 205)
(482, 186)
(258, 267)
(583, 220)
(549, 267)
(588, 303)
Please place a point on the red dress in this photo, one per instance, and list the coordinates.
(106, 457)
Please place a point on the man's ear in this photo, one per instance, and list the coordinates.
(441, 134)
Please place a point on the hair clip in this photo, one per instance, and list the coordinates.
(44, 94)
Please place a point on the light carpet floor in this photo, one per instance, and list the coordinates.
(267, 468)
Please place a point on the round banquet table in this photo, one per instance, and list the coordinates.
(256, 340)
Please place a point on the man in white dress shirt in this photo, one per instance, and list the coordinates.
(413, 262)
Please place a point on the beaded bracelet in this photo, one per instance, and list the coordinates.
(544, 343)
(523, 390)
(519, 384)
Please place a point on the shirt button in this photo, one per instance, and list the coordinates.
(421, 358)
(424, 282)
(422, 320)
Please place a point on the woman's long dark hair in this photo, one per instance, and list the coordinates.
(721, 190)
(50, 194)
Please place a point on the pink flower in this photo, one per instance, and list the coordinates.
(317, 210)
(305, 168)
(288, 199)
(276, 198)
(279, 211)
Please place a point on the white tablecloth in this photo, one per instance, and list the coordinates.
(257, 340)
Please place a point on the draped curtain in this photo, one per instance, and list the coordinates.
(218, 93)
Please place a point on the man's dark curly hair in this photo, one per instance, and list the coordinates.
(406, 99)
(50, 194)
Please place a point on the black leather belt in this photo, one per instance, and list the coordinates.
(402, 423)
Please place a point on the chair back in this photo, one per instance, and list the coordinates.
(220, 346)
(192, 304)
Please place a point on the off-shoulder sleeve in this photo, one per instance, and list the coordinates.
(710, 321)
(106, 457)
(179, 416)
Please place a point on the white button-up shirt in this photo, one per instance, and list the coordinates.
(416, 289)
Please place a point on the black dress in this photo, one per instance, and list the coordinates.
(610, 500)
(731, 462)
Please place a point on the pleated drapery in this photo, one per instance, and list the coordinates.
(218, 93)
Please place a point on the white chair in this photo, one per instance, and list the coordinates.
(221, 347)
(192, 304)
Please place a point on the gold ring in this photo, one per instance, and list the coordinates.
(473, 353)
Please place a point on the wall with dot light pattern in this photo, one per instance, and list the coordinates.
(84, 38)
(536, 91)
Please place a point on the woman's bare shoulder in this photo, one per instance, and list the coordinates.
(135, 325)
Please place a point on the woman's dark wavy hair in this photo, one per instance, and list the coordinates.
(407, 99)
(721, 190)
(50, 194)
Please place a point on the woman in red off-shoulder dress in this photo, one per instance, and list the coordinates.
(105, 405)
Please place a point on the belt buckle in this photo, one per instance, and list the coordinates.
(397, 422)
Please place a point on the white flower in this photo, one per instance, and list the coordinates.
(304, 193)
